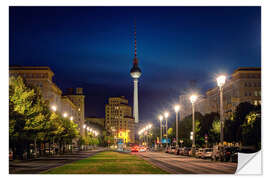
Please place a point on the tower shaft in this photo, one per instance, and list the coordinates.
(135, 101)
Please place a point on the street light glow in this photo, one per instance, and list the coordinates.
(193, 98)
(71, 118)
(221, 80)
(176, 108)
(54, 108)
(84, 126)
(65, 114)
(160, 117)
(166, 114)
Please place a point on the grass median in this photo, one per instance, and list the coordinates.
(108, 163)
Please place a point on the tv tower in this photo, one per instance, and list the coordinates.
(135, 73)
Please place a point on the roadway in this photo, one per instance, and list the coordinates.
(177, 164)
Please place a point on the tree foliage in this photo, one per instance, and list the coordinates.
(30, 119)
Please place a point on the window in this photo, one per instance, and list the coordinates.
(255, 93)
(255, 102)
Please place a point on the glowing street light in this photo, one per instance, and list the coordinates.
(65, 114)
(221, 82)
(84, 126)
(193, 99)
(71, 118)
(54, 108)
(176, 109)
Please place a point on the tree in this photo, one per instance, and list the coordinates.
(251, 130)
(28, 115)
(242, 110)
(185, 127)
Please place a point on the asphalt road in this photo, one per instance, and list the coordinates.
(39, 165)
(177, 164)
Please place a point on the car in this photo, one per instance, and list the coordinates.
(181, 151)
(186, 151)
(177, 151)
(134, 149)
(199, 153)
(50, 151)
(217, 153)
(172, 149)
(207, 153)
(142, 149)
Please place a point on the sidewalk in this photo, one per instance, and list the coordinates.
(41, 164)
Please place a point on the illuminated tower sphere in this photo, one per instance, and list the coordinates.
(135, 73)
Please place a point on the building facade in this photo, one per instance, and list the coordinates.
(41, 77)
(95, 120)
(77, 98)
(244, 85)
(119, 120)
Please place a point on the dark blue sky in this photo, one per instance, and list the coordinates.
(92, 47)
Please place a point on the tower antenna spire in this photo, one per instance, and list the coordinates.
(135, 62)
(135, 42)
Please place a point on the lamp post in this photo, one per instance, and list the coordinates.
(193, 99)
(148, 135)
(166, 115)
(220, 82)
(176, 109)
(160, 119)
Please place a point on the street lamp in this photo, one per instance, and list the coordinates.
(193, 99)
(166, 115)
(176, 109)
(71, 118)
(220, 82)
(84, 126)
(160, 119)
(65, 115)
(54, 108)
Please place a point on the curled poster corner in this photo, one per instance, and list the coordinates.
(249, 163)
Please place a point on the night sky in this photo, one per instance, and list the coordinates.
(93, 48)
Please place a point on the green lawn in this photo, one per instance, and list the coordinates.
(108, 163)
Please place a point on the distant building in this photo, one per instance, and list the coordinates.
(185, 105)
(78, 99)
(41, 76)
(95, 120)
(244, 85)
(119, 119)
